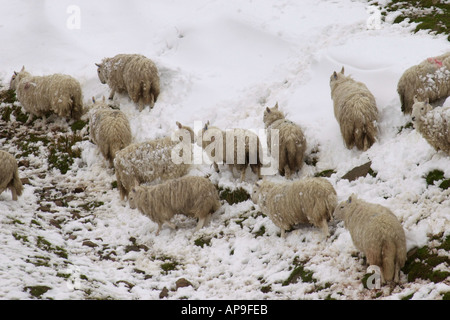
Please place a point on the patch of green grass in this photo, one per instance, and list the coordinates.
(37, 291)
(45, 245)
(428, 14)
(299, 272)
(421, 263)
(435, 176)
(233, 196)
(325, 174)
(62, 154)
(202, 241)
(78, 125)
(8, 96)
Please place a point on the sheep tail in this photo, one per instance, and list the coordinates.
(17, 183)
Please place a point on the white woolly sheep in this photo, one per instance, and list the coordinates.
(109, 129)
(375, 231)
(192, 196)
(309, 200)
(150, 162)
(292, 141)
(430, 80)
(355, 110)
(246, 148)
(57, 93)
(133, 74)
(9, 175)
(433, 124)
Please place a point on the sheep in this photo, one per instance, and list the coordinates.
(217, 150)
(149, 162)
(191, 195)
(58, 93)
(109, 129)
(429, 79)
(355, 110)
(375, 231)
(133, 74)
(309, 200)
(292, 141)
(432, 124)
(9, 175)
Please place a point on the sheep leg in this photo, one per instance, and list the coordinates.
(287, 172)
(171, 225)
(283, 233)
(324, 227)
(141, 104)
(14, 193)
(111, 95)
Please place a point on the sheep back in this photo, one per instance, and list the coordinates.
(310, 200)
(292, 141)
(252, 148)
(433, 124)
(430, 80)
(109, 130)
(133, 74)
(9, 175)
(192, 196)
(355, 110)
(376, 232)
(57, 93)
(146, 162)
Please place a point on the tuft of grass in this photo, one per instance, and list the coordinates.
(299, 272)
(429, 15)
(233, 196)
(8, 96)
(435, 176)
(202, 241)
(37, 291)
(62, 154)
(421, 264)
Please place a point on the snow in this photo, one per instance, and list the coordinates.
(222, 61)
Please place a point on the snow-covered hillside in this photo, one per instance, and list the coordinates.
(222, 61)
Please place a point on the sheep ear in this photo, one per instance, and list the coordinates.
(23, 69)
(335, 75)
(415, 99)
(267, 109)
(16, 73)
(98, 65)
(93, 99)
(179, 125)
(342, 70)
(276, 105)
(427, 101)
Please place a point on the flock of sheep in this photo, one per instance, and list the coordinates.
(160, 188)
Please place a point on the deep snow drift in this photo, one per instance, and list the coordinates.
(222, 61)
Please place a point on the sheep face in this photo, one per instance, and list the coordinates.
(132, 198)
(420, 109)
(339, 212)
(16, 77)
(101, 72)
(255, 193)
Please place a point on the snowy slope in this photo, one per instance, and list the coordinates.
(222, 61)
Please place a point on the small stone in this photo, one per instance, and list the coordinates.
(181, 283)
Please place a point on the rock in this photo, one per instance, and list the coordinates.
(89, 243)
(164, 293)
(360, 171)
(181, 283)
